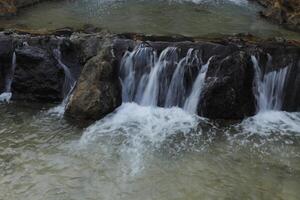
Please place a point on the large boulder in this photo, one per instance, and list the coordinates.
(227, 93)
(97, 92)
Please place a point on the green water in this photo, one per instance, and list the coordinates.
(44, 157)
(202, 18)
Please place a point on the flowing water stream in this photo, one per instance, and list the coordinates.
(185, 17)
(150, 152)
(153, 146)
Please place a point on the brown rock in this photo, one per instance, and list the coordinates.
(7, 8)
(285, 12)
(98, 91)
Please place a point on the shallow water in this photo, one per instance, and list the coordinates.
(147, 153)
(185, 17)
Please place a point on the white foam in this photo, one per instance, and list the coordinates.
(138, 129)
(5, 97)
(269, 122)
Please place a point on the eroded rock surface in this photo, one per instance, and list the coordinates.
(98, 91)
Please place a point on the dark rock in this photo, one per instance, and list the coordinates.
(37, 76)
(227, 93)
(7, 8)
(291, 100)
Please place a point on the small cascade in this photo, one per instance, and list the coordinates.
(157, 82)
(134, 72)
(178, 89)
(7, 94)
(192, 101)
(268, 88)
(69, 84)
(163, 81)
(69, 79)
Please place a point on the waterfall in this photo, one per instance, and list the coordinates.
(69, 84)
(7, 94)
(163, 81)
(177, 90)
(150, 96)
(69, 79)
(134, 72)
(192, 101)
(268, 88)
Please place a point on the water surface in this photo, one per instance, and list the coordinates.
(147, 153)
(185, 17)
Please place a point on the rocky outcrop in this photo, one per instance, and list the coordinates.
(98, 91)
(94, 60)
(285, 12)
(38, 75)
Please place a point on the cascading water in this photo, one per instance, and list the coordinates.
(192, 101)
(268, 88)
(151, 81)
(68, 86)
(157, 82)
(69, 79)
(7, 94)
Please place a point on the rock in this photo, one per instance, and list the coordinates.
(285, 12)
(292, 89)
(227, 93)
(97, 92)
(10, 7)
(37, 76)
(7, 8)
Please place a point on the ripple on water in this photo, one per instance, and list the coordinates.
(147, 152)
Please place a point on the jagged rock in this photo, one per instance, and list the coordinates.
(97, 92)
(227, 93)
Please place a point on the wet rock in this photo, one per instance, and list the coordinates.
(10, 7)
(285, 12)
(7, 8)
(227, 93)
(291, 100)
(37, 76)
(89, 45)
(97, 92)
